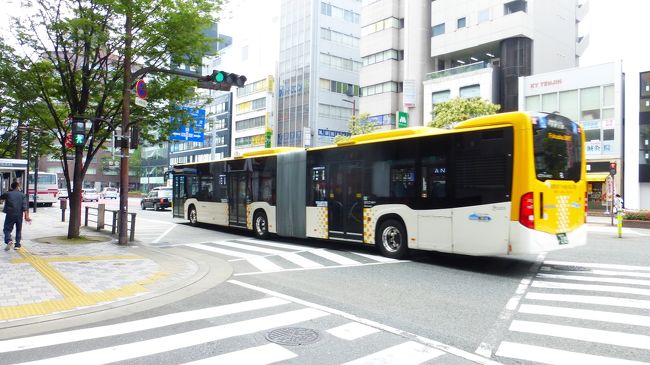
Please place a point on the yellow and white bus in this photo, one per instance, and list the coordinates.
(511, 183)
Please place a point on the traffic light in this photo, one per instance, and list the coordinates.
(221, 80)
(612, 168)
(78, 132)
(135, 137)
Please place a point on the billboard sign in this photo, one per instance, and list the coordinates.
(189, 133)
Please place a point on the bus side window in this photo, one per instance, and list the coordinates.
(318, 184)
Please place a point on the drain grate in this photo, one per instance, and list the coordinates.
(293, 336)
(570, 268)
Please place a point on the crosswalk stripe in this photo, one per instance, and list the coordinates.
(32, 342)
(300, 260)
(276, 244)
(222, 251)
(603, 288)
(377, 258)
(599, 266)
(590, 299)
(342, 260)
(249, 247)
(592, 315)
(595, 279)
(582, 334)
(403, 354)
(551, 356)
(260, 355)
(352, 331)
(263, 264)
(606, 272)
(174, 342)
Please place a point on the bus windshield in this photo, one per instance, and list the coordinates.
(43, 179)
(557, 145)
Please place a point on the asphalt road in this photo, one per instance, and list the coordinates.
(582, 305)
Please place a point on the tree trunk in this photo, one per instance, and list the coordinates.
(75, 195)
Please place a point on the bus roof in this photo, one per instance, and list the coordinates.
(266, 152)
(516, 119)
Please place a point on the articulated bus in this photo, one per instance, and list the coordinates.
(511, 183)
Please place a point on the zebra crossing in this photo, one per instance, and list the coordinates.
(235, 333)
(252, 256)
(582, 313)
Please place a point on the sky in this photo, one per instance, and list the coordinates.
(615, 30)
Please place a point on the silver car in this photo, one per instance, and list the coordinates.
(109, 193)
(89, 195)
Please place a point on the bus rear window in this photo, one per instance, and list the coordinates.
(558, 148)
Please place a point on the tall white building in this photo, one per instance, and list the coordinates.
(318, 70)
(419, 52)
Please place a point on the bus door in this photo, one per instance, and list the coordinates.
(179, 196)
(345, 201)
(238, 195)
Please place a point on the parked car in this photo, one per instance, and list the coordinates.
(109, 193)
(158, 198)
(63, 193)
(89, 195)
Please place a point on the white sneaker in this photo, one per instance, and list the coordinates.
(9, 245)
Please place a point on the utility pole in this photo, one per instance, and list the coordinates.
(124, 159)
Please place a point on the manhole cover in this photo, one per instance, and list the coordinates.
(570, 268)
(293, 336)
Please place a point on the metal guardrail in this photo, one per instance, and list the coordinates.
(457, 70)
(99, 216)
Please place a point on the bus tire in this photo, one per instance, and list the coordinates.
(191, 215)
(260, 225)
(392, 239)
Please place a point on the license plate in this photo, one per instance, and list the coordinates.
(562, 239)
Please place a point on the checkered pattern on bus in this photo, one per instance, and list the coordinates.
(249, 219)
(563, 214)
(368, 226)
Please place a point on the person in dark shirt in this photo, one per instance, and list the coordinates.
(15, 206)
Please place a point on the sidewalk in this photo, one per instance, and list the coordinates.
(54, 279)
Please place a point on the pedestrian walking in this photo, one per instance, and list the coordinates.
(618, 204)
(15, 207)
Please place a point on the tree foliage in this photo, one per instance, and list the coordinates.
(448, 113)
(358, 124)
(71, 64)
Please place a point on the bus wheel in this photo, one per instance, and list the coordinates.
(261, 225)
(192, 216)
(392, 239)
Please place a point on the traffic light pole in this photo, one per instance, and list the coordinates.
(124, 160)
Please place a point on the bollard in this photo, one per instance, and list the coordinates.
(132, 235)
(63, 205)
(100, 216)
(86, 218)
(619, 218)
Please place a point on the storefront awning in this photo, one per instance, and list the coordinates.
(596, 176)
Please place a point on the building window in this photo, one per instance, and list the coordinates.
(532, 103)
(390, 54)
(471, 91)
(386, 87)
(514, 6)
(569, 104)
(461, 23)
(590, 103)
(382, 24)
(483, 16)
(438, 30)
(549, 102)
(437, 98)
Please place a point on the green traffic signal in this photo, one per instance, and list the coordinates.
(219, 77)
(78, 139)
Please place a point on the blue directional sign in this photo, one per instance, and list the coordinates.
(189, 133)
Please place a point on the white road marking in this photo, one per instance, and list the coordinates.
(582, 334)
(276, 244)
(58, 338)
(607, 272)
(264, 265)
(413, 337)
(300, 260)
(603, 288)
(260, 355)
(547, 355)
(249, 247)
(591, 299)
(164, 234)
(592, 315)
(342, 260)
(222, 251)
(378, 258)
(191, 338)
(404, 354)
(599, 266)
(352, 331)
(595, 279)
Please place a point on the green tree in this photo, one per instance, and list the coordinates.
(72, 64)
(358, 124)
(448, 113)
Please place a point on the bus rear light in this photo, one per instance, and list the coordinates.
(527, 210)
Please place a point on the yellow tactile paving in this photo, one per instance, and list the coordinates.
(73, 297)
